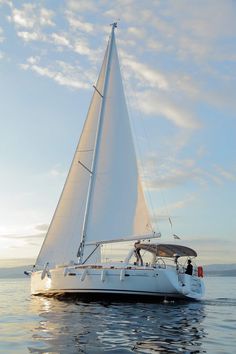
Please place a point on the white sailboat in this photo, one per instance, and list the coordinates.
(102, 204)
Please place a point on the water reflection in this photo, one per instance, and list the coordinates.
(98, 327)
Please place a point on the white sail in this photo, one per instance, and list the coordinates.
(62, 240)
(117, 207)
(102, 198)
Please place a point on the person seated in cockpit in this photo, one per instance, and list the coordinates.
(189, 269)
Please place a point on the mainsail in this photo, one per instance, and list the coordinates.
(105, 167)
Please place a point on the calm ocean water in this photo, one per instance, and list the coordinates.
(46, 325)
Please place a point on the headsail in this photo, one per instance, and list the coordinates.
(117, 205)
(64, 234)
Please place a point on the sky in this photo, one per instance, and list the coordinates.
(178, 62)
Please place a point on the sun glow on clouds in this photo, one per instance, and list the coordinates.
(21, 242)
(179, 75)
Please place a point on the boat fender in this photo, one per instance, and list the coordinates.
(200, 272)
(122, 274)
(45, 272)
(66, 272)
(84, 274)
(103, 275)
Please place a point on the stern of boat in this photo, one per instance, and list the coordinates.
(191, 286)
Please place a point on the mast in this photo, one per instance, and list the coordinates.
(97, 145)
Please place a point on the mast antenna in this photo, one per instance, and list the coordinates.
(114, 24)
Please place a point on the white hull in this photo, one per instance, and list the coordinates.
(103, 279)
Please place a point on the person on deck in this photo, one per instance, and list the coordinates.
(189, 269)
(176, 257)
(137, 253)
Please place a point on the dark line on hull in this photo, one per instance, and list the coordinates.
(115, 292)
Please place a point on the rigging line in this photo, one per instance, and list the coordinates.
(86, 168)
(97, 91)
(91, 254)
(137, 145)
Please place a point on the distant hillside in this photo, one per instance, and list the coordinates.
(220, 270)
(14, 272)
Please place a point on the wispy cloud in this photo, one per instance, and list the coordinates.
(62, 73)
(137, 32)
(226, 174)
(31, 16)
(31, 36)
(172, 172)
(60, 40)
(42, 227)
(24, 237)
(82, 6)
(145, 75)
(169, 174)
(77, 24)
(156, 104)
(208, 254)
(164, 212)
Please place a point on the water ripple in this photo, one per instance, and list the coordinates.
(46, 325)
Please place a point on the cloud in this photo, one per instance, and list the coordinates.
(46, 17)
(137, 32)
(212, 249)
(79, 46)
(185, 44)
(170, 171)
(221, 24)
(170, 174)
(62, 73)
(185, 28)
(24, 237)
(42, 227)
(56, 171)
(82, 47)
(31, 16)
(155, 104)
(77, 24)
(226, 174)
(163, 213)
(18, 246)
(144, 73)
(82, 6)
(31, 36)
(60, 40)
(6, 2)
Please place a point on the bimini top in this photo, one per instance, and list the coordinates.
(167, 250)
